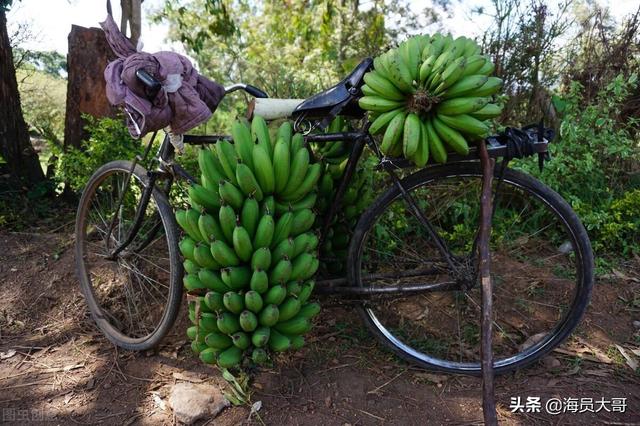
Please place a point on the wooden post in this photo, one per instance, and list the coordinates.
(484, 235)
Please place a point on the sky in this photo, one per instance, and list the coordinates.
(51, 20)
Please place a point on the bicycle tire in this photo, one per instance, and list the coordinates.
(168, 224)
(523, 182)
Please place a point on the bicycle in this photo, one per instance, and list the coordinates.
(411, 264)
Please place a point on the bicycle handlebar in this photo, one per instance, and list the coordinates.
(153, 86)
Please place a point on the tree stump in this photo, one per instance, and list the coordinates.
(89, 54)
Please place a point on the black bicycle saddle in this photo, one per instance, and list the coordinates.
(322, 103)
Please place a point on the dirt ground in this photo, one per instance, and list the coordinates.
(55, 367)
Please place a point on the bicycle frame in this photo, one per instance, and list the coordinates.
(169, 170)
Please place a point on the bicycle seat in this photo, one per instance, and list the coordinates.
(319, 105)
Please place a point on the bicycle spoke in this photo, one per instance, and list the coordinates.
(129, 290)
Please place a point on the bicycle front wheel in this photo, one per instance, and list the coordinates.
(134, 296)
(542, 269)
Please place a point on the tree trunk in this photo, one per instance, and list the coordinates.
(89, 54)
(15, 147)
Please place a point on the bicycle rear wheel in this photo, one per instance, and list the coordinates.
(542, 269)
(135, 297)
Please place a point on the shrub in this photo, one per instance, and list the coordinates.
(594, 161)
(108, 140)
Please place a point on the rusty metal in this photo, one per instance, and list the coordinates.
(484, 234)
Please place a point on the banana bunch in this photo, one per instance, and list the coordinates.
(249, 253)
(430, 94)
(356, 198)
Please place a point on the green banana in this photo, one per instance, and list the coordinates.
(236, 277)
(261, 259)
(228, 159)
(190, 267)
(411, 135)
(300, 266)
(211, 280)
(187, 246)
(288, 309)
(259, 356)
(268, 317)
(305, 291)
(295, 326)
(383, 86)
(436, 147)
(191, 282)
(248, 321)
(282, 158)
(464, 123)
(247, 181)
(264, 171)
(474, 64)
(264, 232)
(208, 199)
(487, 112)
(233, 302)
(309, 310)
(260, 132)
(465, 86)
(285, 132)
(383, 119)
(210, 166)
(227, 217)
(302, 221)
(242, 243)
(393, 134)
(202, 256)
(281, 272)
(283, 250)
(307, 184)
(230, 358)
(299, 166)
(223, 254)
(279, 342)
(218, 340)
(242, 142)
(293, 288)
(209, 228)
(260, 336)
(422, 154)
(259, 281)
(240, 340)
(231, 195)
(208, 355)
(253, 301)
(282, 228)
(297, 143)
(213, 300)
(373, 103)
(458, 106)
(249, 215)
(451, 136)
(491, 87)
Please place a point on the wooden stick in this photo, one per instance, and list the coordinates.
(484, 235)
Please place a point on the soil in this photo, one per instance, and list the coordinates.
(63, 371)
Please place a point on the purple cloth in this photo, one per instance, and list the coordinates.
(182, 108)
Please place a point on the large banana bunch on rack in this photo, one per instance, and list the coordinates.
(248, 249)
(429, 95)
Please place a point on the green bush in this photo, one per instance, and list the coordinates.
(108, 140)
(594, 161)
